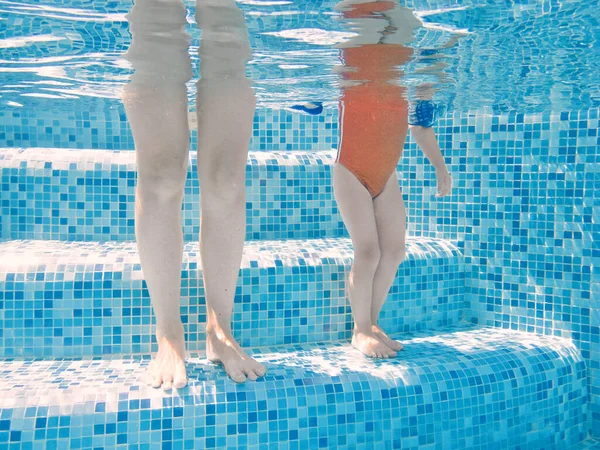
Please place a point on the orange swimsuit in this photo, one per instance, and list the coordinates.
(374, 114)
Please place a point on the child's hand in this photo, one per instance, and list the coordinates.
(444, 182)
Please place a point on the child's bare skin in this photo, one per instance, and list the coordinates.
(374, 124)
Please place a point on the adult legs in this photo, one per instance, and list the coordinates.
(225, 103)
(390, 220)
(156, 107)
(356, 207)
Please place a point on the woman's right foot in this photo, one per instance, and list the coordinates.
(370, 345)
(167, 369)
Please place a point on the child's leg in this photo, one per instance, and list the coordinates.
(356, 207)
(390, 218)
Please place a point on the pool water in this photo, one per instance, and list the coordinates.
(526, 56)
(497, 304)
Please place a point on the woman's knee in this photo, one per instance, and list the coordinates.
(224, 186)
(163, 179)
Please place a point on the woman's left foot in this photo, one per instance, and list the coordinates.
(385, 339)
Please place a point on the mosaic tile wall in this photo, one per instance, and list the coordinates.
(83, 298)
(588, 444)
(102, 124)
(525, 213)
(462, 389)
(89, 195)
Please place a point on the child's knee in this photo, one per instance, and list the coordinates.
(367, 257)
(394, 254)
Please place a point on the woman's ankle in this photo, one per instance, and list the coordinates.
(170, 331)
(363, 329)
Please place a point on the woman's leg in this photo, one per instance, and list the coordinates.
(157, 110)
(390, 219)
(225, 103)
(356, 207)
(225, 115)
(159, 125)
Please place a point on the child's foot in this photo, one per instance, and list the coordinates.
(167, 369)
(384, 338)
(444, 182)
(222, 348)
(368, 344)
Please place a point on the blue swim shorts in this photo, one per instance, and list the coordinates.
(422, 113)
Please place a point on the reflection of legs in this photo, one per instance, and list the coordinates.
(390, 217)
(356, 207)
(225, 115)
(159, 123)
(156, 105)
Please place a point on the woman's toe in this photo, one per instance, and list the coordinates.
(179, 382)
(156, 381)
(251, 375)
(237, 376)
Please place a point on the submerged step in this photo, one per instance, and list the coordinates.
(101, 123)
(89, 195)
(80, 298)
(460, 389)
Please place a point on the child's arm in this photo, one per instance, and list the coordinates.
(427, 142)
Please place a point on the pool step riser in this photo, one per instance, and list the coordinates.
(99, 308)
(443, 392)
(90, 196)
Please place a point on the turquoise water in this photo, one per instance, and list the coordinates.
(528, 56)
(498, 303)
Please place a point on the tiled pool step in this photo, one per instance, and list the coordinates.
(101, 123)
(62, 299)
(88, 195)
(460, 389)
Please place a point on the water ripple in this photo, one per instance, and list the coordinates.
(528, 55)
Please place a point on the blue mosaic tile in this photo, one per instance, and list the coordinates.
(89, 195)
(290, 69)
(523, 212)
(73, 299)
(102, 124)
(462, 388)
